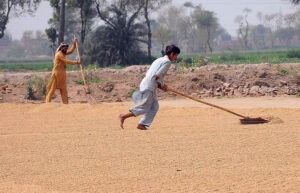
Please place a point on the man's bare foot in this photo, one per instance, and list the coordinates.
(122, 119)
(141, 127)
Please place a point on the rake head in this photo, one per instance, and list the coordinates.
(249, 120)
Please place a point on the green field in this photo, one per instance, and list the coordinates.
(229, 57)
(244, 57)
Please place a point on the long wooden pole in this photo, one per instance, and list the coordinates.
(81, 70)
(212, 105)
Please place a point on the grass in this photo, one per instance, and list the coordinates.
(79, 82)
(272, 56)
(130, 93)
(298, 95)
(25, 60)
(275, 56)
(36, 88)
(34, 67)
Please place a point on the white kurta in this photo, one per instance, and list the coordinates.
(159, 67)
(149, 105)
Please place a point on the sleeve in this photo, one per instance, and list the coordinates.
(65, 60)
(70, 51)
(162, 71)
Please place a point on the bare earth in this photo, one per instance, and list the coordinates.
(189, 148)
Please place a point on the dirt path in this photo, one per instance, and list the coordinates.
(80, 148)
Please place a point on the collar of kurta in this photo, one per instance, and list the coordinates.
(166, 56)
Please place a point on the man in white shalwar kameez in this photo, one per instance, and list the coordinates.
(147, 93)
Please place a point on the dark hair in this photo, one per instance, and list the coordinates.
(172, 49)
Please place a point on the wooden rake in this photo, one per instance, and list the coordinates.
(86, 88)
(244, 120)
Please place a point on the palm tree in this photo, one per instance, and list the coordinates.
(116, 42)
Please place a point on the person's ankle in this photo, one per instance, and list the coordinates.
(141, 127)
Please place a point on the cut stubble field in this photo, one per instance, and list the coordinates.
(80, 148)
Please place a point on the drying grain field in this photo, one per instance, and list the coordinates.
(189, 148)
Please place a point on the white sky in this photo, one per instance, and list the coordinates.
(226, 11)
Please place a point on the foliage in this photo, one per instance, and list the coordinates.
(36, 88)
(19, 6)
(87, 12)
(91, 75)
(163, 35)
(130, 93)
(295, 1)
(52, 37)
(116, 43)
(30, 93)
(151, 6)
(235, 57)
(72, 26)
(293, 53)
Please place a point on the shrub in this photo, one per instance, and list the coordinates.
(130, 93)
(293, 53)
(30, 94)
(187, 60)
(36, 88)
(91, 74)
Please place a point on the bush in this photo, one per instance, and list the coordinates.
(36, 88)
(187, 60)
(293, 53)
(129, 94)
(91, 74)
(30, 93)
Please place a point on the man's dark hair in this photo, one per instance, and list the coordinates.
(172, 49)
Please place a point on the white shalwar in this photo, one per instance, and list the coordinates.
(149, 105)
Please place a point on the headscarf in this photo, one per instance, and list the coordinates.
(63, 44)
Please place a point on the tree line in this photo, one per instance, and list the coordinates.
(123, 32)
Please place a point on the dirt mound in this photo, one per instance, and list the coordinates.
(114, 85)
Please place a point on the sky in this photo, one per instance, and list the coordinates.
(226, 11)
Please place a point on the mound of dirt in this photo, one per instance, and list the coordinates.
(114, 85)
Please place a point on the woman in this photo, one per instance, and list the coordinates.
(152, 80)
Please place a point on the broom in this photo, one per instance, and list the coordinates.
(244, 120)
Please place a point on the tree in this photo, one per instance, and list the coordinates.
(243, 30)
(87, 13)
(170, 19)
(163, 35)
(206, 20)
(27, 36)
(150, 6)
(61, 21)
(117, 41)
(72, 26)
(257, 36)
(270, 23)
(19, 6)
(295, 1)
(52, 37)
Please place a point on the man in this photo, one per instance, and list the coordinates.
(58, 77)
(152, 80)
